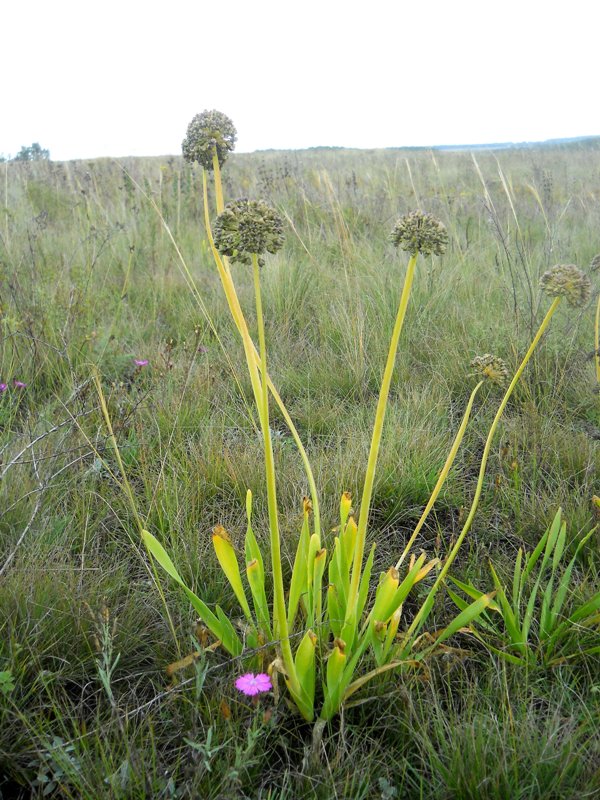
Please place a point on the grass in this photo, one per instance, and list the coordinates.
(89, 276)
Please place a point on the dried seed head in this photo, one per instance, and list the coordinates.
(207, 133)
(595, 263)
(491, 367)
(247, 227)
(569, 281)
(418, 232)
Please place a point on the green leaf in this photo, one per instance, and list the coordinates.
(299, 581)
(363, 589)
(155, 548)
(229, 564)
(465, 617)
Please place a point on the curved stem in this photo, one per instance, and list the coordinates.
(425, 609)
(365, 503)
(280, 626)
(443, 474)
(240, 322)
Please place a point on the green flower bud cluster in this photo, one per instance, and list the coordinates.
(247, 227)
(567, 280)
(419, 232)
(207, 133)
(491, 367)
(595, 263)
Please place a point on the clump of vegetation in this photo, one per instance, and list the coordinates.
(348, 621)
(457, 657)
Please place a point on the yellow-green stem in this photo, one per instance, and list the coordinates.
(131, 498)
(240, 322)
(280, 626)
(425, 609)
(365, 502)
(218, 184)
(443, 474)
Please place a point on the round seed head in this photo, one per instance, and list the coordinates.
(247, 227)
(492, 368)
(595, 263)
(569, 281)
(207, 133)
(419, 232)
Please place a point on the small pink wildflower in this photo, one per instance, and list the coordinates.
(140, 362)
(251, 684)
(20, 384)
(3, 387)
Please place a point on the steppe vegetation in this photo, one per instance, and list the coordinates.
(128, 406)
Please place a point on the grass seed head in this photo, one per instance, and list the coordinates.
(208, 132)
(247, 227)
(567, 280)
(491, 367)
(419, 232)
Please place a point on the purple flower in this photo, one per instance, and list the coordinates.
(19, 384)
(3, 387)
(251, 684)
(140, 362)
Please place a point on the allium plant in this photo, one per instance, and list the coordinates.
(335, 626)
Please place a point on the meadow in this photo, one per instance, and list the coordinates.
(108, 685)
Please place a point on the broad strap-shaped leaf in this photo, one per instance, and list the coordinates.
(299, 581)
(252, 550)
(466, 617)
(384, 596)
(259, 598)
(305, 665)
(314, 546)
(335, 614)
(229, 564)
(365, 580)
(318, 570)
(336, 663)
(212, 622)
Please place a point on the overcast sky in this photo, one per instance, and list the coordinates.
(124, 78)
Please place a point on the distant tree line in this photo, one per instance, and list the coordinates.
(32, 153)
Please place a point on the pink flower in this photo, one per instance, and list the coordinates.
(251, 684)
(140, 362)
(3, 387)
(19, 384)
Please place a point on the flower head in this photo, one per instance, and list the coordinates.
(207, 133)
(19, 384)
(491, 367)
(251, 684)
(3, 387)
(140, 362)
(247, 227)
(419, 232)
(569, 281)
(595, 263)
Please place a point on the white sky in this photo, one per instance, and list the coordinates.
(87, 79)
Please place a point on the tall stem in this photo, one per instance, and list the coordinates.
(443, 474)
(365, 503)
(425, 609)
(240, 322)
(280, 626)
